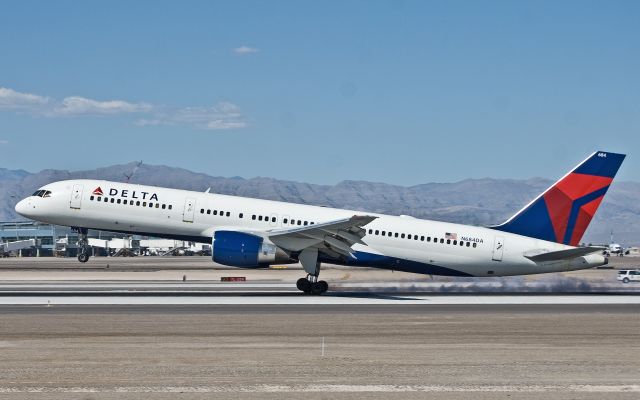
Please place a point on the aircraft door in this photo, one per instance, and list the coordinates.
(189, 209)
(76, 196)
(498, 248)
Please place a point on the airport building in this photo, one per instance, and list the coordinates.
(35, 239)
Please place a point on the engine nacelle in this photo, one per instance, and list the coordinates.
(240, 249)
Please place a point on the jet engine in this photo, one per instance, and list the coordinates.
(241, 249)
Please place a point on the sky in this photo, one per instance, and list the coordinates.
(402, 92)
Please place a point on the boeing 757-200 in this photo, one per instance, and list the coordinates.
(250, 233)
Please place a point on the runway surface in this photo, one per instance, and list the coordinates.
(139, 329)
(319, 351)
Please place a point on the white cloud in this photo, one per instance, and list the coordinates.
(77, 105)
(245, 50)
(10, 99)
(221, 116)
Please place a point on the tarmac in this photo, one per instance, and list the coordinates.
(138, 330)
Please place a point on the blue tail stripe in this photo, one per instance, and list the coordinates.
(575, 210)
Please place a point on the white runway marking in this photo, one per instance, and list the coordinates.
(275, 299)
(332, 389)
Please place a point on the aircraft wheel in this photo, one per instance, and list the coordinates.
(317, 288)
(83, 257)
(324, 285)
(303, 284)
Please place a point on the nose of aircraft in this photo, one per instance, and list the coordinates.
(23, 207)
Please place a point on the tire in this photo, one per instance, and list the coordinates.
(325, 286)
(304, 285)
(625, 280)
(316, 288)
(83, 257)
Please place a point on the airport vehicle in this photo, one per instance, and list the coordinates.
(629, 275)
(251, 233)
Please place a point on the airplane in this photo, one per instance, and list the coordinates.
(250, 233)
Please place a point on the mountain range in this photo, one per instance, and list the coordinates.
(471, 201)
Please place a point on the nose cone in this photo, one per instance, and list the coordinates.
(23, 207)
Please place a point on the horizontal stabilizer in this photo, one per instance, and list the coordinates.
(564, 254)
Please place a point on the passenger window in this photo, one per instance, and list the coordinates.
(377, 232)
(396, 235)
(409, 236)
(150, 205)
(119, 201)
(428, 238)
(125, 202)
(157, 205)
(240, 215)
(163, 206)
(91, 198)
(259, 217)
(461, 243)
(468, 244)
(383, 233)
(448, 241)
(299, 222)
(293, 222)
(228, 214)
(113, 200)
(306, 223)
(253, 217)
(441, 240)
(138, 203)
(286, 219)
(415, 237)
(215, 212)
(422, 238)
(202, 211)
(144, 204)
(106, 200)
(402, 236)
(370, 231)
(455, 242)
(474, 244)
(99, 199)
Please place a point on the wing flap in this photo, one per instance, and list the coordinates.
(329, 237)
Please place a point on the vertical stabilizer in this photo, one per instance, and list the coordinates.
(563, 212)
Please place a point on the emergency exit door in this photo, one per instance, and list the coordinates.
(76, 196)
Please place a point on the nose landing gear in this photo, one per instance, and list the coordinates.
(83, 245)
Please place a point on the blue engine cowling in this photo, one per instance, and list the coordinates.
(237, 249)
(241, 249)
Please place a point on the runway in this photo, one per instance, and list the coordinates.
(113, 333)
(349, 351)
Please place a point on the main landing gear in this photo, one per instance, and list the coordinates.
(83, 245)
(311, 285)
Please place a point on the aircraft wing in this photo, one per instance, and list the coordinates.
(564, 254)
(333, 238)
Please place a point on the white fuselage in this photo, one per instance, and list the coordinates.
(408, 244)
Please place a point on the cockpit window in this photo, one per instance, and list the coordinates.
(42, 193)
